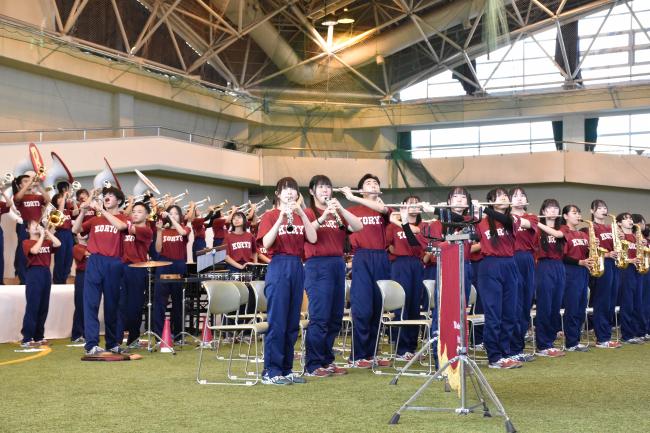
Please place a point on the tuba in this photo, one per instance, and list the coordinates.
(620, 246)
(642, 252)
(596, 253)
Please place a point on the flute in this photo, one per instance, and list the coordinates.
(357, 191)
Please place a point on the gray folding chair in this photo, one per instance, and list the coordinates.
(225, 297)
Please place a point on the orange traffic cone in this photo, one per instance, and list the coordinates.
(206, 334)
(166, 345)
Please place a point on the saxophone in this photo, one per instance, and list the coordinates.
(620, 246)
(642, 252)
(596, 253)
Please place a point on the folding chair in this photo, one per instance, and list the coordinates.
(393, 298)
(347, 325)
(474, 320)
(225, 297)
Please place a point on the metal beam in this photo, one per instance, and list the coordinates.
(76, 10)
(144, 38)
(120, 26)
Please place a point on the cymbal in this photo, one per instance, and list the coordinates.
(149, 264)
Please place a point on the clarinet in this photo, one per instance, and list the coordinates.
(339, 221)
(290, 227)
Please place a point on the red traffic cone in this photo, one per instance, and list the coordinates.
(166, 345)
(206, 334)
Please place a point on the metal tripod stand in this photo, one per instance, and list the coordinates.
(468, 369)
(149, 333)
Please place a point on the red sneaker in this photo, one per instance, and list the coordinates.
(381, 362)
(335, 370)
(319, 372)
(361, 363)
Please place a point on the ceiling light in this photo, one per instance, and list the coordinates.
(346, 18)
(330, 20)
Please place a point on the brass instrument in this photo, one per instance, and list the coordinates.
(55, 219)
(247, 207)
(620, 246)
(596, 253)
(7, 178)
(218, 207)
(337, 217)
(642, 252)
(198, 203)
(75, 186)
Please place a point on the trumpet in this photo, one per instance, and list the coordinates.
(198, 203)
(218, 207)
(7, 178)
(260, 204)
(356, 191)
(55, 219)
(174, 199)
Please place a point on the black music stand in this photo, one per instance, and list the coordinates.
(467, 367)
(149, 333)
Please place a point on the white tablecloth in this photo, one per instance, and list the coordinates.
(59, 318)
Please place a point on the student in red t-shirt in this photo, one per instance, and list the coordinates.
(38, 249)
(284, 232)
(193, 216)
(171, 244)
(30, 199)
(631, 288)
(325, 276)
(498, 277)
(5, 207)
(550, 280)
(370, 264)
(135, 244)
(240, 244)
(104, 267)
(80, 254)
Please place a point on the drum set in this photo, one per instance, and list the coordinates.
(252, 272)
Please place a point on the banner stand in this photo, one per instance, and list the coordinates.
(467, 368)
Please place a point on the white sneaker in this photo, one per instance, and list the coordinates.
(551, 353)
(578, 348)
(95, 351)
(276, 380)
(505, 364)
(523, 357)
(405, 357)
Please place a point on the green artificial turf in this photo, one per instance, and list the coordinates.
(599, 391)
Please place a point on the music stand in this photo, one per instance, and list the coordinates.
(467, 367)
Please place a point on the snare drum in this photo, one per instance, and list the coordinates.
(241, 276)
(216, 275)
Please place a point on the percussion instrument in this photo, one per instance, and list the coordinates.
(150, 264)
(258, 270)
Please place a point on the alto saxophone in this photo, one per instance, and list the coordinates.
(642, 252)
(620, 246)
(596, 253)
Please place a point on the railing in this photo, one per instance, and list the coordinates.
(58, 134)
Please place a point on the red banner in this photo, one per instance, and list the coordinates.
(449, 310)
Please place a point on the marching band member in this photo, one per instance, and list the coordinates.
(240, 244)
(80, 254)
(218, 228)
(63, 255)
(370, 264)
(30, 199)
(406, 268)
(5, 207)
(38, 250)
(171, 244)
(284, 232)
(525, 245)
(498, 278)
(193, 215)
(325, 276)
(104, 267)
(137, 238)
(645, 302)
(631, 287)
(550, 280)
(576, 265)
(604, 290)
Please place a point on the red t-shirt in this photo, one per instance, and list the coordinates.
(551, 245)
(604, 235)
(476, 256)
(219, 228)
(67, 220)
(103, 237)
(504, 246)
(285, 243)
(4, 208)
(331, 239)
(434, 230)
(526, 239)
(373, 234)
(198, 226)
(30, 207)
(577, 243)
(240, 247)
(262, 250)
(631, 242)
(79, 255)
(395, 236)
(174, 245)
(136, 246)
(44, 255)
(87, 217)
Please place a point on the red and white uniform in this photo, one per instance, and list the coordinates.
(30, 207)
(67, 220)
(103, 238)
(44, 255)
(331, 239)
(526, 239)
(577, 243)
(289, 243)
(552, 252)
(373, 234)
(395, 236)
(80, 257)
(604, 235)
(504, 246)
(240, 247)
(198, 227)
(136, 246)
(631, 241)
(174, 245)
(219, 228)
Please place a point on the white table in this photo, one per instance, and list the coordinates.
(59, 317)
